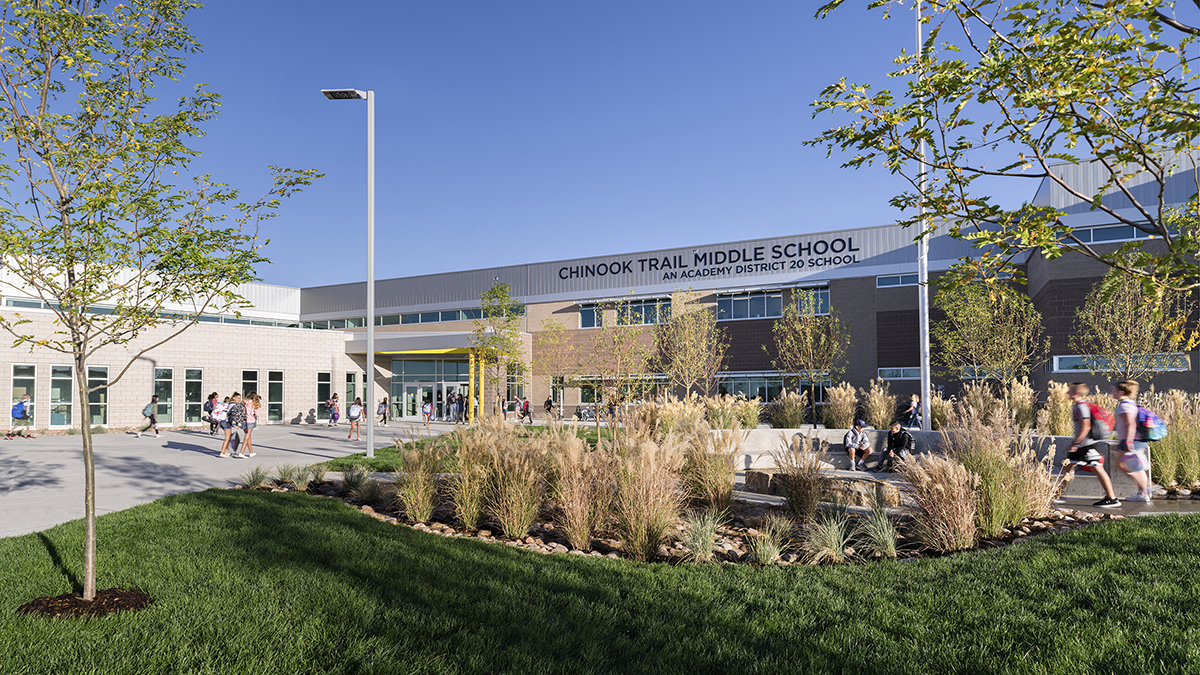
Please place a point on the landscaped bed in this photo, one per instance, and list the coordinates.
(258, 582)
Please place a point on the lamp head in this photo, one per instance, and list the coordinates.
(338, 94)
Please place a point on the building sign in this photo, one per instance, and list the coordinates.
(715, 261)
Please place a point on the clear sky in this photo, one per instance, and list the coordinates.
(514, 132)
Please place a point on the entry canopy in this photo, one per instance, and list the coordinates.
(412, 343)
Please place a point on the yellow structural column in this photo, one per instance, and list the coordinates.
(471, 390)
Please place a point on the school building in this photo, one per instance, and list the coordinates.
(297, 346)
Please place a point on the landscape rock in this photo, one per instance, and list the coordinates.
(859, 491)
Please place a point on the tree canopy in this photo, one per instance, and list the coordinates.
(1007, 89)
(989, 333)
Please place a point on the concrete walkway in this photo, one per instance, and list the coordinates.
(41, 480)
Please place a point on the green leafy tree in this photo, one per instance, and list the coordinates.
(497, 334)
(1121, 334)
(620, 356)
(556, 358)
(691, 347)
(989, 332)
(1007, 88)
(91, 220)
(810, 345)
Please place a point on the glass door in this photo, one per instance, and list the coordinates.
(412, 403)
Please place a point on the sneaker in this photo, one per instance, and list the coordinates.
(252, 454)
(158, 435)
(31, 437)
(239, 456)
(137, 434)
(862, 466)
(1107, 503)
(1138, 497)
(1060, 500)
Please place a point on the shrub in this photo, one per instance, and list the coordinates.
(1020, 402)
(1058, 411)
(700, 530)
(789, 410)
(289, 474)
(416, 480)
(843, 405)
(257, 478)
(376, 494)
(353, 478)
(710, 464)
(316, 473)
(943, 493)
(583, 489)
(772, 540)
(875, 531)
(517, 470)
(469, 487)
(801, 473)
(879, 403)
(827, 539)
(648, 500)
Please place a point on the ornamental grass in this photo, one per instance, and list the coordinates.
(584, 484)
(416, 479)
(648, 498)
(842, 406)
(789, 410)
(943, 494)
(710, 463)
(879, 404)
(801, 471)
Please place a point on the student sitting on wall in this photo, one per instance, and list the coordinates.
(858, 444)
(900, 444)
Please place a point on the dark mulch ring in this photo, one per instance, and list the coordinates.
(108, 601)
(731, 545)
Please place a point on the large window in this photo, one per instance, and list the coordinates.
(820, 298)
(644, 312)
(350, 388)
(900, 373)
(756, 305)
(62, 387)
(249, 382)
(765, 389)
(24, 381)
(1176, 361)
(98, 400)
(896, 280)
(275, 396)
(591, 316)
(164, 389)
(193, 395)
(324, 392)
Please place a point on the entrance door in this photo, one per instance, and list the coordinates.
(412, 402)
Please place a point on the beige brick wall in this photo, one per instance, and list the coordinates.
(222, 351)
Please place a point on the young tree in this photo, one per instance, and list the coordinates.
(497, 335)
(1005, 89)
(620, 357)
(555, 357)
(811, 345)
(91, 221)
(1124, 334)
(989, 332)
(691, 346)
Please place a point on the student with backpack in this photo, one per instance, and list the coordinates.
(252, 403)
(900, 444)
(208, 417)
(334, 412)
(20, 416)
(382, 411)
(526, 413)
(354, 416)
(220, 415)
(148, 413)
(1093, 426)
(1132, 437)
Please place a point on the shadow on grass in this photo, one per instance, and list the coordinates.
(76, 586)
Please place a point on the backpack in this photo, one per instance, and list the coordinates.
(1150, 427)
(220, 412)
(910, 443)
(148, 410)
(208, 406)
(355, 411)
(1102, 422)
(18, 411)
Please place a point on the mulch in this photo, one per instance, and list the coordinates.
(108, 601)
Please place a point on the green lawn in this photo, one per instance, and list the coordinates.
(386, 458)
(251, 582)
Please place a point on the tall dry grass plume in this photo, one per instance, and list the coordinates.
(584, 484)
(1103, 399)
(879, 404)
(1175, 460)
(710, 463)
(518, 468)
(943, 493)
(672, 412)
(1020, 400)
(978, 401)
(842, 406)
(941, 410)
(801, 471)
(789, 410)
(648, 498)
(722, 411)
(749, 412)
(416, 479)
(469, 488)
(1057, 413)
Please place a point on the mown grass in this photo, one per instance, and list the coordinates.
(248, 582)
(388, 458)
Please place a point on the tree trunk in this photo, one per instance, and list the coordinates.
(89, 480)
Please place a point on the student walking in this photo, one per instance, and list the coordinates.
(237, 420)
(1134, 460)
(252, 403)
(354, 415)
(221, 416)
(427, 412)
(332, 406)
(20, 417)
(1093, 426)
(382, 411)
(148, 412)
(208, 416)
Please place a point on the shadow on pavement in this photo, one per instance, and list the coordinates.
(18, 473)
(138, 472)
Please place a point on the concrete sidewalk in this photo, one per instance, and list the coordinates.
(41, 480)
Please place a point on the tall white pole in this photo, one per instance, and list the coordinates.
(923, 268)
(369, 385)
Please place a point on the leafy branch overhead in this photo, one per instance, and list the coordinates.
(1016, 90)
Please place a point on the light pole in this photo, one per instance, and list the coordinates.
(369, 385)
(923, 268)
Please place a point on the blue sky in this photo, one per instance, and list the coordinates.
(525, 131)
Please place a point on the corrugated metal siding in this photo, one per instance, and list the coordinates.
(1087, 177)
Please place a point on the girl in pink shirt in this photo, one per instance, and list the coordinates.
(253, 402)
